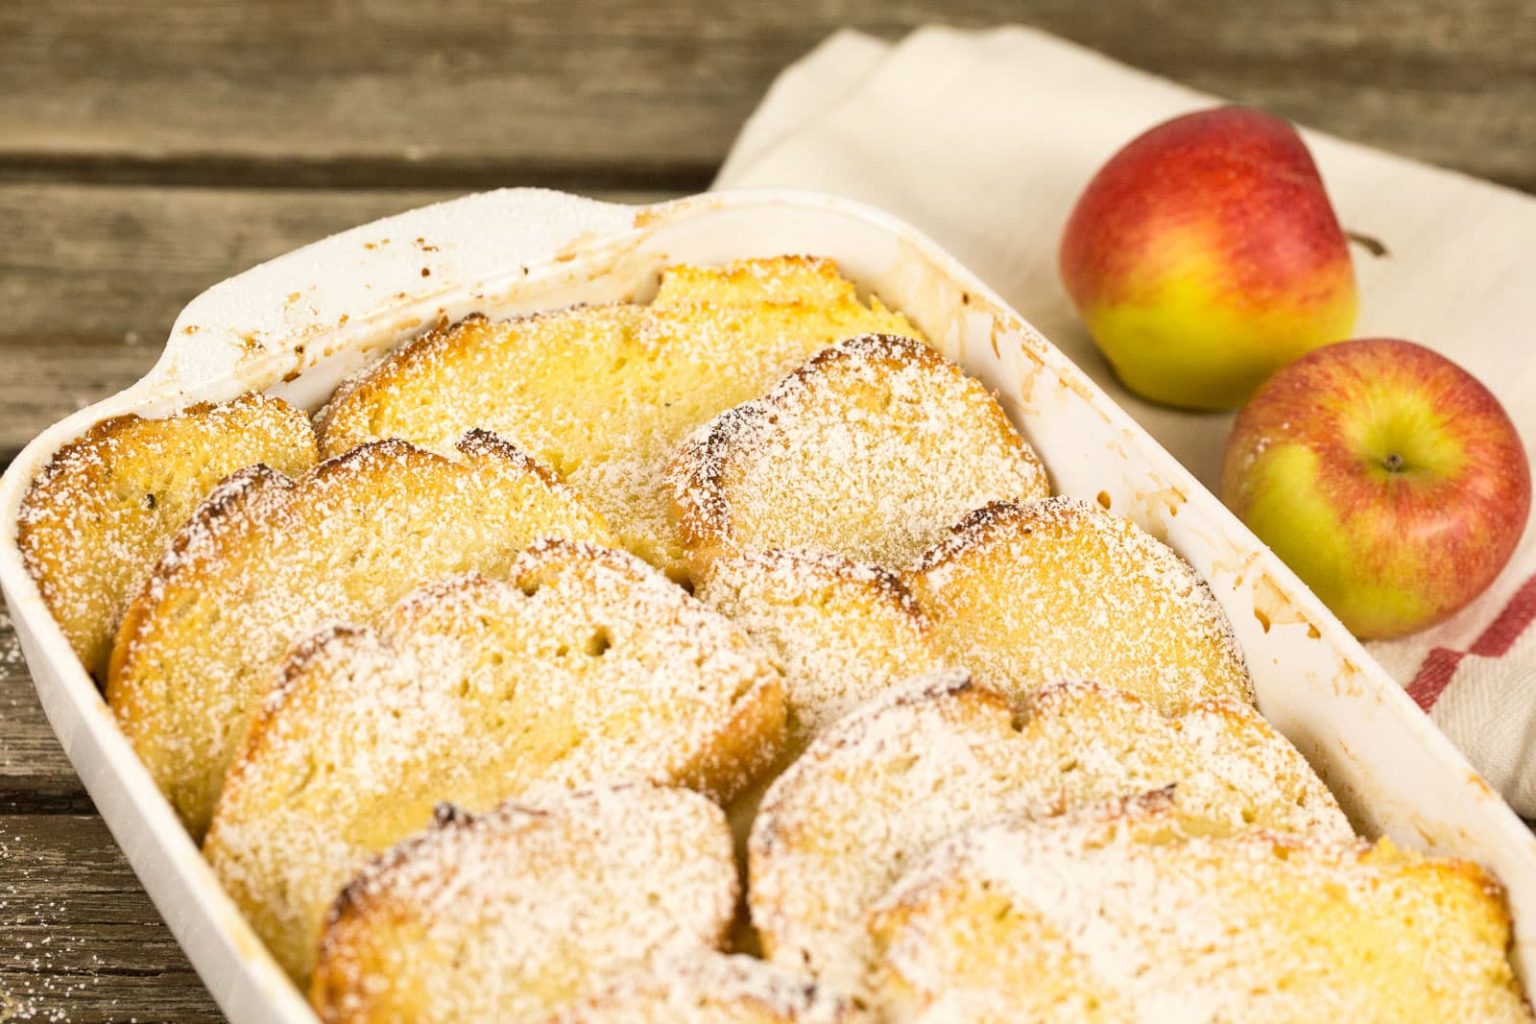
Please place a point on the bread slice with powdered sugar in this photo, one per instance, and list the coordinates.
(102, 510)
(1130, 913)
(871, 450)
(875, 791)
(584, 665)
(267, 560)
(1028, 593)
(517, 914)
(840, 631)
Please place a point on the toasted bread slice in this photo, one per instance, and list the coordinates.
(870, 450)
(605, 394)
(882, 785)
(714, 989)
(266, 561)
(840, 631)
(102, 510)
(1128, 914)
(1025, 594)
(584, 666)
(515, 915)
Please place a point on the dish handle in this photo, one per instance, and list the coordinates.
(285, 315)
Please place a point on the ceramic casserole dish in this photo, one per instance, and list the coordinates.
(296, 326)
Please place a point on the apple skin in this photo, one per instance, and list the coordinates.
(1389, 478)
(1205, 255)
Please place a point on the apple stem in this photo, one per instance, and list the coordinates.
(1394, 463)
(1371, 245)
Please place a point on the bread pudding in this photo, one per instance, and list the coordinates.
(463, 701)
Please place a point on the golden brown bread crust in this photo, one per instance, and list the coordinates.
(603, 394)
(870, 450)
(583, 666)
(389, 400)
(1028, 593)
(344, 542)
(786, 280)
(904, 771)
(1123, 912)
(516, 914)
(101, 511)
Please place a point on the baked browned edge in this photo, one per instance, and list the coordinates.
(215, 516)
(92, 437)
(377, 377)
(976, 529)
(700, 510)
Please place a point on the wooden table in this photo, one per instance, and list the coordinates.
(149, 150)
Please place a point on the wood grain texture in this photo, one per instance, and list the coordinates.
(613, 93)
(35, 776)
(79, 940)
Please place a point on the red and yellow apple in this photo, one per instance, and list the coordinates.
(1205, 255)
(1389, 478)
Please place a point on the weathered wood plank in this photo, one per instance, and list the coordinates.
(91, 277)
(35, 776)
(79, 940)
(618, 94)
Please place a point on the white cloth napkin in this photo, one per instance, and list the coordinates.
(984, 141)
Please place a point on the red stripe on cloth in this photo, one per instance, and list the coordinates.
(1440, 663)
(1434, 676)
(1503, 631)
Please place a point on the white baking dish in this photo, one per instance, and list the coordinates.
(297, 325)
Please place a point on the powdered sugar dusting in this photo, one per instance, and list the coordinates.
(904, 772)
(343, 544)
(604, 394)
(1027, 593)
(584, 666)
(841, 631)
(11, 659)
(418, 658)
(714, 989)
(872, 450)
(1124, 908)
(100, 512)
(514, 915)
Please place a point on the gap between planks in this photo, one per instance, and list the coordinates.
(79, 940)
